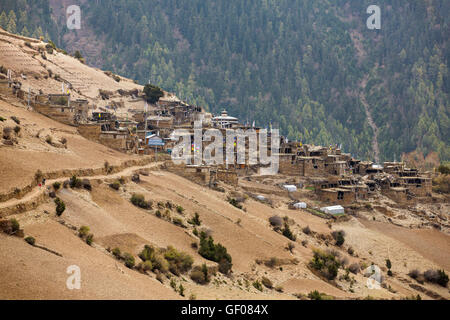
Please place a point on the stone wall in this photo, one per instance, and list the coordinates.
(90, 131)
(229, 177)
(61, 114)
(118, 142)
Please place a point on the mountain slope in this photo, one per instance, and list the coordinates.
(295, 64)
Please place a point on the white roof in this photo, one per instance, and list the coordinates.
(333, 209)
(290, 188)
(300, 205)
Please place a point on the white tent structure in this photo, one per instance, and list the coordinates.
(334, 210)
(290, 188)
(300, 205)
(261, 198)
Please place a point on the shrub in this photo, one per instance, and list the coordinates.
(273, 262)
(115, 185)
(258, 285)
(436, 276)
(350, 251)
(325, 263)
(267, 283)
(152, 93)
(139, 201)
(276, 221)
(78, 55)
(56, 186)
(157, 259)
(129, 260)
(148, 253)
(173, 284)
(10, 227)
(30, 240)
(15, 226)
(444, 169)
(178, 222)
(441, 184)
(288, 233)
(290, 247)
(87, 184)
(306, 230)
(116, 253)
(339, 237)
(354, 268)
(90, 239)
(180, 209)
(195, 220)
(442, 278)
(75, 183)
(431, 276)
(159, 277)
(83, 231)
(181, 290)
(414, 273)
(388, 264)
(214, 252)
(316, 295)
(64, 141)
(60, 207)
(7, 133)
(17, 129)
(38, 176)
(179, 262)
(225, 266)
(15, 119)
(235, 203)
(201, 274)
(146, 266)
(198, 277)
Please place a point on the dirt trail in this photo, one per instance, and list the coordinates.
(37, 191)
(375, 146)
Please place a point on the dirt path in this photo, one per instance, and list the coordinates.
(375, 146)
(37, 191)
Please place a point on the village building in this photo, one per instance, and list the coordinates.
(224, 121)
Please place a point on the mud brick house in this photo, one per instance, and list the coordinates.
(312, 166)
(342, 196)
(102, 116)
(81, 108)
(417, 186)
(4, 86)
(290, 165)
(393, 167)
(57, 107)
(159, 122)
(398, 194)
(336, 168)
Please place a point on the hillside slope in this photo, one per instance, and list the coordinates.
(295, 64)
